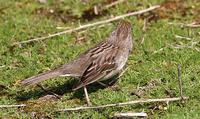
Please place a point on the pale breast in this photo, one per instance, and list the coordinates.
(122, 59)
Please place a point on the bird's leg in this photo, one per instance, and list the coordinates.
(86, 96)
(47, 91)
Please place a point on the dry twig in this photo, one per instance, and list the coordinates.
(183, 37)
(191, 25)
(124, 103)
(129, 115)
(190, 45)
(90, 25)
(100, 26)
(11, 106)
(113, 4)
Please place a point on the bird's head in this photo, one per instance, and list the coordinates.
(122, 35)
(123, 30)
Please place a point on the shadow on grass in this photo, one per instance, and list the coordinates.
(62, 89)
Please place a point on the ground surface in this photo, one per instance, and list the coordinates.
(152, 65)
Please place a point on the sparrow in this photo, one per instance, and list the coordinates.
(101, 62)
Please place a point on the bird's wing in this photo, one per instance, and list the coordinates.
(103, 62)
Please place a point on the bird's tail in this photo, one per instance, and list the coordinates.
(41, 77)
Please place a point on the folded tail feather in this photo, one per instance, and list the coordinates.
(41, 77)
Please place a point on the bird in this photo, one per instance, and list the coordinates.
(101, 62)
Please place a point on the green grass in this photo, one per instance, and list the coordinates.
(24, 19)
